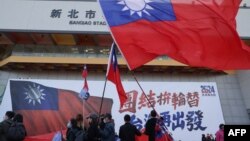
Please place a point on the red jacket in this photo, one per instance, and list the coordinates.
(220, 135)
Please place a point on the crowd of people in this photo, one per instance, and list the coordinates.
(207, 137)
(12, 127)
(100, 128)
(219, 136)
(103, 129)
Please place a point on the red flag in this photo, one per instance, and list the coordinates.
(47, 109)
(195, 32)
(84, 93)
(84, 72)
(161, 134)
(113, 75)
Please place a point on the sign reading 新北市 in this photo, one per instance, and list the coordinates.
(73, 16)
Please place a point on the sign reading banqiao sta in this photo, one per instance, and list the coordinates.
(72, 16)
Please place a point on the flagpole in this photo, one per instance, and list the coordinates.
(151, 105)
(83, 107)
(103, 92)
(83, 101)
(85, 86)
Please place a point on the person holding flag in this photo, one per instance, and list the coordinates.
(150, 127)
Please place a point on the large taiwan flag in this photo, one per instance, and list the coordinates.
(195, 32)
(47, 110)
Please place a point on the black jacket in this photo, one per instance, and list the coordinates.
(72, 134)
(150, 129)
(128, 131)
(93, 133)
(4, 127)
(108, 132)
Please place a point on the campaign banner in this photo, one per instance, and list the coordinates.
(189, 109)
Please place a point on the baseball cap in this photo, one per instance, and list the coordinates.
(92, 116)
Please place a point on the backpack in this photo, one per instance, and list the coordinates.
(16, 132)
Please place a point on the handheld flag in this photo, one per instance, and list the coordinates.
(84, 94)
(84, 72)
(195, 32)
(113, 75)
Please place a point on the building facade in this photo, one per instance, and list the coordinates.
(52, 40)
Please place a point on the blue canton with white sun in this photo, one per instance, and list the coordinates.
(120, 12)
(34, 94)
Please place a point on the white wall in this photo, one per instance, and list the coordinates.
(244, 81)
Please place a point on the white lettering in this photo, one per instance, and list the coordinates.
(80, 22)
(231, 132)
(237, 131)
(243, 131)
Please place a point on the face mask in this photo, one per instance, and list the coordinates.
(69, 125)
(105, 120)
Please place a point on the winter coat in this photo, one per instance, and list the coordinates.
(108, 132)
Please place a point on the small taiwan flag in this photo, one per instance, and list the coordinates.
(84, 93)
